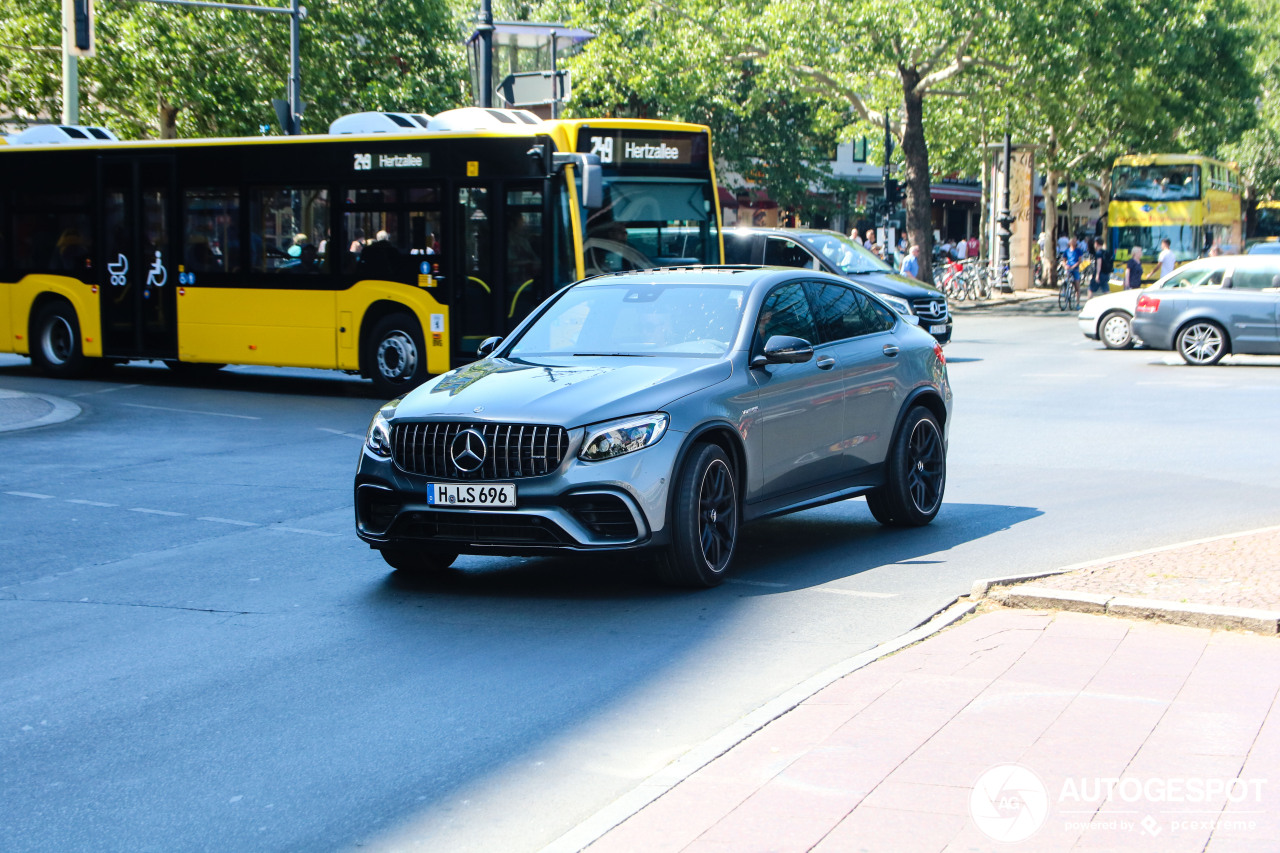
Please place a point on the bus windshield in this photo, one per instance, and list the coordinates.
(1164, 182)
(648, 222)
(1268, 220)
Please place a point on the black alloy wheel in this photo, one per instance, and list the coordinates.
(396, 357)
(55, 340)
(704, 523)
(916, 475)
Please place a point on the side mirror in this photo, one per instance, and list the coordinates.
(784, 349)
(487, 346)
(911, 319)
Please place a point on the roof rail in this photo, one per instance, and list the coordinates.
(376, 122)
(483, 118)
(45, 134)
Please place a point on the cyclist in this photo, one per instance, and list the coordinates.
(1073, 256)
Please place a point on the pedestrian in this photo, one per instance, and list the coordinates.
(911, 266)
(1133, 269)
(1103, 263)
(1062, 244)
(855, 236)
(973, 246)
(1166, 258)
(962, 250)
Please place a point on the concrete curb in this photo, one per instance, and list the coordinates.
(593, 828)
(1173, 612)
(63, 410)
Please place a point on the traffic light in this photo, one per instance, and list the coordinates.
(79, 23)
(892, 192)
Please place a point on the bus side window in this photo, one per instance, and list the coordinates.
(283, 221)
(211, 229)
(53, 233)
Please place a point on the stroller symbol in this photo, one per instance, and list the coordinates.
(118, 269)
(157, 275)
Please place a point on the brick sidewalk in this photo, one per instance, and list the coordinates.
(899, 755)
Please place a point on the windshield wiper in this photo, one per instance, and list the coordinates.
(618, 354)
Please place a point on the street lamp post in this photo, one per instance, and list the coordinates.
(1005, 219)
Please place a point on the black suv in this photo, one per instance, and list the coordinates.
(830, 251)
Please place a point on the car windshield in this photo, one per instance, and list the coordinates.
(844, 254)
(635, 319)
(1192, 277)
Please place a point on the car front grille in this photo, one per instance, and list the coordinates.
(505, 451)
(930, 308)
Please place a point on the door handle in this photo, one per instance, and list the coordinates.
(826, 363)
(890, 350)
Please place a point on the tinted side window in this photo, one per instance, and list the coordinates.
(784, 253)
(737, 248)
(1255, 279)
(785, 312)
(833, 305)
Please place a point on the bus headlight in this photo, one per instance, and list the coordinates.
(605, 441)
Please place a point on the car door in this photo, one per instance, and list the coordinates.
(1247, 307)
(859, 333)
(801, 406)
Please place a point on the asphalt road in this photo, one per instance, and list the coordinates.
(196, 653)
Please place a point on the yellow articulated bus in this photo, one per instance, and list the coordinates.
(1192, 200)
(391, 246)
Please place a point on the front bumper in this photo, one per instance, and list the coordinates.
(1089, 327)
(616, 504)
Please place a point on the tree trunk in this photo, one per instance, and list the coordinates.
(915, 154)
(1049, 257)
(168, 120)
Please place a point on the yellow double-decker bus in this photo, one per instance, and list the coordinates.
(1191, 200)
(391, 246)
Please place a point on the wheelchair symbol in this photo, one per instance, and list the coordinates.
(157, 275)
(119, 270)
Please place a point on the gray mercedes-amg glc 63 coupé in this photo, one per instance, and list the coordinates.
(658, 411)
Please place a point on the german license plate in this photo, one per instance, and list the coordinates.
(937, 330)
(472, 494)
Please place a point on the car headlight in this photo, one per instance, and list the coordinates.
(899, 304)
(605, 441)
(377, 439)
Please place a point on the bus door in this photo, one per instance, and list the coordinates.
(138, 261)
(527, 254)
(475, 292)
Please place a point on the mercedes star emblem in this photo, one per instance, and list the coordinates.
(468, 450)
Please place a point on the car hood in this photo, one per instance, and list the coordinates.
(561, 390)
(896, 285)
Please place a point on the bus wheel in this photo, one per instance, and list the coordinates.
(396, 356)
(55, 340)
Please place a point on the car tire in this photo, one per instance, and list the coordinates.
(1116, 330)
(917, 474)
(55, 341)
(424, 562)
(396, 357)
(1202, 343)
(704, 522)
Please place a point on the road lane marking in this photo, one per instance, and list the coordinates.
(228, 521)
(758, 583)
(35, 495)
(155, 511)
(340, 432)
(194, 412)
(88, 503)
(856, 593)
(304, 530)
(105, 390)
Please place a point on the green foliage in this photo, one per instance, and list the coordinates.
(222, 68)
(1258, 150)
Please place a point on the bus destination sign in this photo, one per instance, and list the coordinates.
(638, 148)
(391, 162)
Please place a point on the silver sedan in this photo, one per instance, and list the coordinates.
(1204, 324)
(658, 411)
